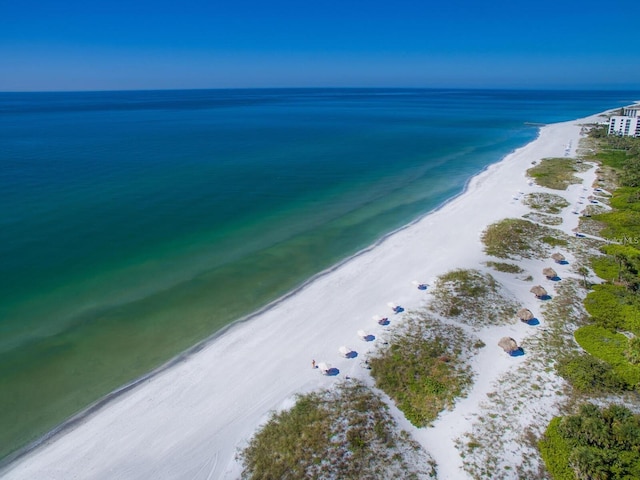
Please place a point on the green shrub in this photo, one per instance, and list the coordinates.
(588, 374)
(555, 452)
(612, 158)
(593, 444)
(620, 225)
(632, 353)
(603, 304)
(630, 176)
(626, 198)
(605, 267)
(610, 347)
(626, 259)
(613, 307)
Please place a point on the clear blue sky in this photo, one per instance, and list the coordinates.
(142, 44)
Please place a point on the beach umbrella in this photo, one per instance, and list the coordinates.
(538, 291)
(395, 307)
(549, 272)
(558, 257)
(508, 344)
(345, 351)
(525, 314)
(420, 285)
(381, 320)
(362, 334)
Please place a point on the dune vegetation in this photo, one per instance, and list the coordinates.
(505, 267)
(516, 238)
(473, 298)
(556, 173)
(424, 367)
(548, 203)
(343, 432)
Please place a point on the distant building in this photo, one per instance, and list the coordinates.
(626, 125)
(632, 111)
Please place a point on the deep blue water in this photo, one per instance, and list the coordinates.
(133, 224)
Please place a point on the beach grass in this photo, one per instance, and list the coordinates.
(555, 173)
(549, 203)
(345, 432)
(537, 217)
(472, 297)
(424, 367)
(518, 238)
(505, 267)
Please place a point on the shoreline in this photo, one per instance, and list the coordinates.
(333, 292)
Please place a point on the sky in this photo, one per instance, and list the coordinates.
(140, 44)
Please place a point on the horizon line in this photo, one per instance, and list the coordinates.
(529, 89)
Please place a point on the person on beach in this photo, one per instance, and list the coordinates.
(313, 364)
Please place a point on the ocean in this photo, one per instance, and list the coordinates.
(133, 225)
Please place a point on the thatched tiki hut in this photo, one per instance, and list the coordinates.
(508, 344)
(524, 314)
(549, 273)
(538, 291)
(558, 257)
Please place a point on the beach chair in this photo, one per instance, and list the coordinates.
(324, 368)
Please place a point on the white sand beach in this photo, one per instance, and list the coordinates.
(190, 420)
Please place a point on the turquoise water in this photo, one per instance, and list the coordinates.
(134, 224)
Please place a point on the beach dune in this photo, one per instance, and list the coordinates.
(190, 420)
